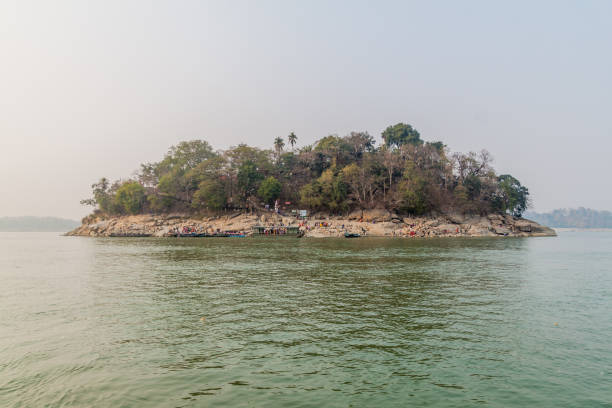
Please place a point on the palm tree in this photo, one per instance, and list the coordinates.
(279, 143)
(292, 139)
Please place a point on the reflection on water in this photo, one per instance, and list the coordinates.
(304, 322)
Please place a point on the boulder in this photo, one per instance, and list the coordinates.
(502, 230)
(456, 218)
(523, 225)
(496, 217)
(378, 215)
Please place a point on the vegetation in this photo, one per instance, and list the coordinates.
(335, 174)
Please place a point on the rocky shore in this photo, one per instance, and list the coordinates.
(375, 223)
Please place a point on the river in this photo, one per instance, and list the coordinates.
(287, 322)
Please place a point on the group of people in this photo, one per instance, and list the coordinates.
(275, 231)
(189, 230)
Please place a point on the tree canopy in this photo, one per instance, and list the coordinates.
(401, 134)
(335, 174)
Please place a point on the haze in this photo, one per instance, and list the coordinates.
(92, 89)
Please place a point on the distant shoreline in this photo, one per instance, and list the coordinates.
(569, 229)
(36, 224)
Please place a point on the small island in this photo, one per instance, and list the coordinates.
(338, 186)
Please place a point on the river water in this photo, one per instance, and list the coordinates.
(94, 322)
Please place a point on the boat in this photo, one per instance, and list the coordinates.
(351, 235)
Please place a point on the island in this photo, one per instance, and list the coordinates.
(338, 186)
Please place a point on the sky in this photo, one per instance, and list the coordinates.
(94, 88)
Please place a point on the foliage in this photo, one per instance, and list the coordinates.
(328, 192)
(413, 193)
(130, 197)
(269, 190)
(248, 179)
(210, 194)
(401, 134)
(292, 138)
(334, 174)
(512, 196)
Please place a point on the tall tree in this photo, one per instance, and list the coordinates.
(279, 144)
(512, 196)
(292, 138)
(401, 134)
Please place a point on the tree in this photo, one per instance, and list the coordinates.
(279, 144)
(248, 179)
(148, 176)
(359, 143)
(334, 174)
(335, 150)
(392, 162)
(130, 197)
(363, 183)
(269, 190)
(210, 194)
(311, 196)
(401, 134)
(512, 196)
(238, 155)
(186, 155)
(103, 196)
(413, 193)
(328, 192)
(292, 138)
(213, 168)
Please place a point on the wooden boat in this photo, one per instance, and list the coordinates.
(351, 235)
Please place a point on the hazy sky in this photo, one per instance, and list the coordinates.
(93, 88)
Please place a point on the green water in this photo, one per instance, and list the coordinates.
(305, 322)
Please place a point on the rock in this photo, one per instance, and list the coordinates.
(523, 225)
(502, 230)
(376, 222)
(446, 228)
(495, 217)
(355, 215)
(456, 218)
(378, 215)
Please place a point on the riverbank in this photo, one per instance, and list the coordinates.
(375, 223)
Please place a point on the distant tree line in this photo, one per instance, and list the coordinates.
(573, 218)
(334, 175)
